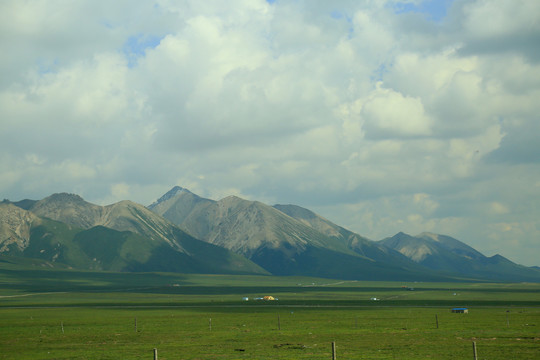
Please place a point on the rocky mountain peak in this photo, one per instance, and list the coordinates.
(176, 190)
(232, 200)
(69, 208)
(65, 198)
(428, 235)
(282, 240)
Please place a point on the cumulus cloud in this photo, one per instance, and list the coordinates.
(490, 27)
(383, 116)
(388, 113)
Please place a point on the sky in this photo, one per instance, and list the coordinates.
(380, 115)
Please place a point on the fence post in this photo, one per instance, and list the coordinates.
(474, 350)
(155, 354)
(62, 325)
(334, 350)
(210, 324)
(437, 320)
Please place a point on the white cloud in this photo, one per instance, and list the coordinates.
(496, 19)
(382, 122)
(503, 26)
(388, 113)
(498, 209)
(120, 191)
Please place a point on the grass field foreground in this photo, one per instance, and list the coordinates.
(60, 314)
(268, 333)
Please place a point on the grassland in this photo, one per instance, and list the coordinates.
(59, 314)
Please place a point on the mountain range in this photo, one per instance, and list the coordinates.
(183, 232)
(121, 237)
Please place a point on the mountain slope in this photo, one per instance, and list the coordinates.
(68, 208)
(122, 216)
(123, 237)
(178, 211)
(15, 227)
(237, 224)
(280, 243)
(357, 243)
(446, 254)
(236, 236)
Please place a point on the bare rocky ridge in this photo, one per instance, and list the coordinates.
(124, 236)
(122, 216)
(359, 244)
(289, 239)
(311, 219)
(446, 254)
(284, 239)
(70, 209)
(180, 206)
(426, 246)
(15, 225)
(237, 224)
(187, 233)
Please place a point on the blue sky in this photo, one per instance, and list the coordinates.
(434, 10)
(381, 116)
(137, 45)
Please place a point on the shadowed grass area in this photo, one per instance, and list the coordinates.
(48, 286)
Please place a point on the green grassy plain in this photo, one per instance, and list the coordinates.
(59, 314)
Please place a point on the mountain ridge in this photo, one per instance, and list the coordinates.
(184, 232)
(302, 235)
(71, 230)
(445, 254)
(301, 244)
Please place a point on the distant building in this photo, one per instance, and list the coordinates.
(460, 310)
(245, 299)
